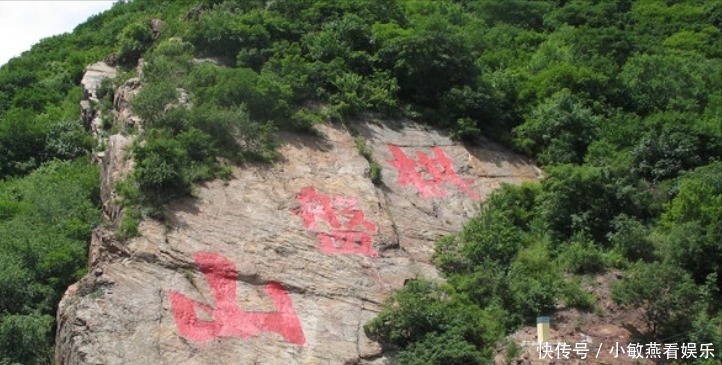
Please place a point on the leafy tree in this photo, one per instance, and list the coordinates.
(25, 339)
(524, 14)
(135, 39)
(170, 61)
(558, 130)
(581, 256)
(684, 85)
(150, 103)
(22, 139)
(435, 349)
(631, 238)
(665, 293)
(159, 168)
(532, 285)
(663, 154)
(690, 224)
(427, 62)
(576, 199)
(67, 140)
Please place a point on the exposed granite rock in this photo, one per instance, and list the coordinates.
(121, 103)
(92, 78)
(224, 278)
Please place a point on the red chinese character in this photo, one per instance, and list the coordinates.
(228, 319)
(350, 237)
(439, 168)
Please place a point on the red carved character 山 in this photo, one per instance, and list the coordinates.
(350, 232)
(228, 319)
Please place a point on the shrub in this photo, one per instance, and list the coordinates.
(574, 296)
(236, 136)
(129, 223)
(558, 130)
(532, 284)
(441, 349)
(135, 39)
(631, 238)
(664, 292)
(581, 256)
(159, 167)
(150, 103)
(170, 61)
(66, 140)
(24, 339)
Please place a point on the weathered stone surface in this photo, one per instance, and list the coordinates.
(270, 221)
(421, 219)
(121, 103)
(92, 78)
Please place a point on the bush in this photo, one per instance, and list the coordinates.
(150, 103)
(25, 339)
(441, 349)
(129, 223)
(690, 228)
(662, 155)
(236, 136)
(424, 308)
(532, 285)
(576, 200)
(558, 130)
(170, 61)
(631, 238)
(59, 201)
(67, 140)
(581, 256)
(159, 167)
(665, 293)
(22, 141)
(16, 288)
(135, 39)
(574, 296)
(407, 315)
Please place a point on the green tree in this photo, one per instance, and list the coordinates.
(25, 339)
(559, 130)
(441, 349)
(691, 223)
(135, 39)
(664, 293)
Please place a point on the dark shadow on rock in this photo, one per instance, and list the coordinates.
(487, 150)
(313, 139)
(187, 205)
(363, 126)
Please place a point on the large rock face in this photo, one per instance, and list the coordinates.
(285, 262)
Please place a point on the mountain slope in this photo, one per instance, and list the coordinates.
(283, 263)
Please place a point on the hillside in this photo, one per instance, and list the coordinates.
(282, 263)
(208, 155)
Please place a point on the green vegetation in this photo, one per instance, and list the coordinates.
(619, 101)
(45, 223)
(625, 119)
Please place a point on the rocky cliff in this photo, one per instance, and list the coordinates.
(284, 263)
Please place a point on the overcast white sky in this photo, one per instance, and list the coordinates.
(24, 23)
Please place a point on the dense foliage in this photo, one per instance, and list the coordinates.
(48, 188)
(620, 101)
(625, 118)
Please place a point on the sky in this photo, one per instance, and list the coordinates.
(24, 23)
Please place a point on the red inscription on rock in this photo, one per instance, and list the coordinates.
(439, 169)
(228, 319)
(350, 232)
